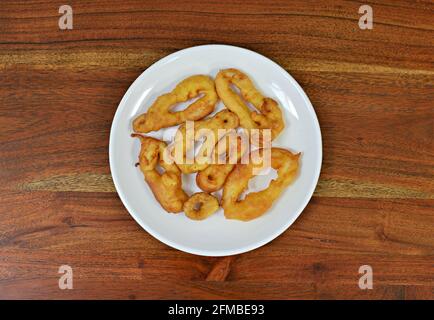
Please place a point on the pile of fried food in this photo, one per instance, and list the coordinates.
(165, 178)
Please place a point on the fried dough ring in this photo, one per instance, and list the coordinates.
(256, 204)
(159, 115)
(270, 116)
(200, 206)
(167, 186)
(213, 177)
(224, 119)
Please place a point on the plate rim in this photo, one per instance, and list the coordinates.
(224, 252)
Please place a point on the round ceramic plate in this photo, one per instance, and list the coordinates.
(215, 236)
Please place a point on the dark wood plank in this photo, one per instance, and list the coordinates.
(78, 115)
(325, 247)
(372, 92)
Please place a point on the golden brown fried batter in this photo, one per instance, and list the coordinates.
(214, 176)
(167, 186)
(212, 179)
(256, 204)
(159, 115)
(200, 206)
(222, 120)
(270, 116)
(240, 97)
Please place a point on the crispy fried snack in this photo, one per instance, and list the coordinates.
(270, 116)
(222, 120)
(214, 176)
(167, 186)
(200, 206)
(256, 204)
(159, 115)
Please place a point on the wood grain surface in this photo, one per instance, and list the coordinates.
(372, 91)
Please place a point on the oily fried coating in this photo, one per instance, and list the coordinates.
(256, 204)
(200, 206)
(224, 119)
(214, 176)
(269, 115)
(167, 186)
(159, 115)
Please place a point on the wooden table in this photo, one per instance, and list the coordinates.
(373, 94)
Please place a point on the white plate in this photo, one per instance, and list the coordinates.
(215, 236)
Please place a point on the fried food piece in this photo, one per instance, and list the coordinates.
(270, 116)
(256, 204)
(214, 176)
(167, 186)
(200, 206)
(159, 115)
(225, 119)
